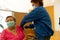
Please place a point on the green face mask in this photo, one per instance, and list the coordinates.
(10, 23)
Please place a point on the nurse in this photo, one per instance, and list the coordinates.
(42, 22)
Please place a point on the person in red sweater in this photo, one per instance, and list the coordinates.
(13, 32)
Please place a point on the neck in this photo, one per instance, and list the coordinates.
(12, 28)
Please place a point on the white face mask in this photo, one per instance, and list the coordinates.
(34, 7)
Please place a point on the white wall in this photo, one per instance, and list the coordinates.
(57, 14)
(48, 2)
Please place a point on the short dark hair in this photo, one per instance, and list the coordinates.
(12, 17)
(40, 2)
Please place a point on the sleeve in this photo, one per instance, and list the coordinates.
(3, 35)
(33, 15)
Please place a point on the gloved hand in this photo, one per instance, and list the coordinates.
(30, 26)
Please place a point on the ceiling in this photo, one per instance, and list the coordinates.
(20, 5)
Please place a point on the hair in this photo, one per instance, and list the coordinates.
(11, 17)
(40, 2)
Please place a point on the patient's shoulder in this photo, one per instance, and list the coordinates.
(4, 31)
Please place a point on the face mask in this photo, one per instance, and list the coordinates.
(10, 23)
(34, 7)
